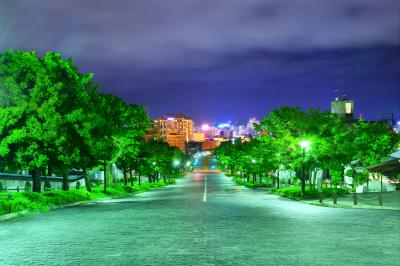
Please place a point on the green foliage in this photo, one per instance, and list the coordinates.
(334, 145)
(78, 185)
(52, 116)
(295, 192)
(35, 201)
(28, 186)
(47, 185)
(266, 182)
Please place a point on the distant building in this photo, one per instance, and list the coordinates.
(193, 147)
(209, 145)
(175, 129)
(199, 136)
(250, 126)
(343, 107)
(176, 140)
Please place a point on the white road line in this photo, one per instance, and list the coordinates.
(205, 189)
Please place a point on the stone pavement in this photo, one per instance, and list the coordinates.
(204, 220)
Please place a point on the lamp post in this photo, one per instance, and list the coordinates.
(176, 164)
(305, 145)
(254, 171)
(188, 163)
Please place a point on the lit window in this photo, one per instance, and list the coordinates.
(348, 108)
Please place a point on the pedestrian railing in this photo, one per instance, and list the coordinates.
(371, 198)
(17, 189)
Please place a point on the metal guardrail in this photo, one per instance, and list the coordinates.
(44, 178)
(359, 198)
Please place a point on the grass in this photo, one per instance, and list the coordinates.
(295, 192)
(34, 201)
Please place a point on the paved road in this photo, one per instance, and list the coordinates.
(204, 220)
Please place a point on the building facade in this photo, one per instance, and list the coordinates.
(343, 107)
(175, 129)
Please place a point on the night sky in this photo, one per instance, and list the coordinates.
(222, 60)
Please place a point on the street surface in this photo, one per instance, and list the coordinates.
(203, 220)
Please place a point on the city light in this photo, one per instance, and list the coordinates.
(176, 162)
(224, 125)
(205, 127)
(188, 164)
(253, 160)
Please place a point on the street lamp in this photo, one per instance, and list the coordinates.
(305, 145)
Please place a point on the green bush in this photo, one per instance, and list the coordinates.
(28, 186)
(295, 192)
(42, 201)
(47, 185)
(128, 189)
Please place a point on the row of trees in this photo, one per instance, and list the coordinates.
(333, 145)
(54, 119)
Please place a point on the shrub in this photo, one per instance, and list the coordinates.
(28, 186)
(47, 185)
(295, 192)
(128, 189)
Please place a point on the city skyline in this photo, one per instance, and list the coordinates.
(225, 60)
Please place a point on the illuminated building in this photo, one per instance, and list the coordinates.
(199, 136)
(250, 126)
(175, 129)
(343, 107)
(176, 140)
(209, 144)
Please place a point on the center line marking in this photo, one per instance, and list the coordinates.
(205, 189)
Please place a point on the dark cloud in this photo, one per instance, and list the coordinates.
(253, 53)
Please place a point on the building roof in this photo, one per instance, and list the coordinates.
(388, 168)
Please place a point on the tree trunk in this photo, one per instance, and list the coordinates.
(88, 183)
(36, 184)
(277, 180)
(125, 178)
(165, 181)
(65, 180)
(49, 171)
(139, 179)
(131, 177)
(111, 180)
(105, 176)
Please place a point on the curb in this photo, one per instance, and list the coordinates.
(340, 206)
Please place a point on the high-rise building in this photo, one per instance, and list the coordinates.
(250, 126)
(176, 129)
(343, 107)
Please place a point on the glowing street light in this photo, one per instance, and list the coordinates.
(154, 163)
(187, 163)
(305, 145)
(253, 161)
(177, 163)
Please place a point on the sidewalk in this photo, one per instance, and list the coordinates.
(390, 201)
